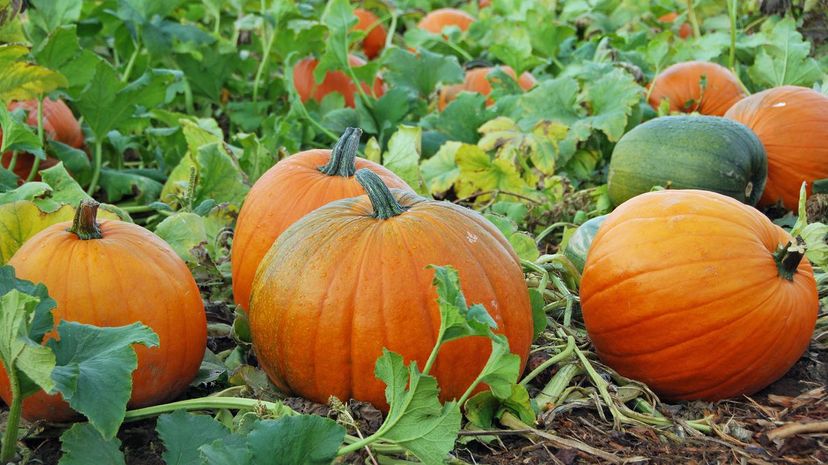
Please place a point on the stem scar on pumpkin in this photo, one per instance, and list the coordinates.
(384, 203)
(85, 225)
(788, 257)
(343, 154)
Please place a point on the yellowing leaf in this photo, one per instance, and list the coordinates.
(25, 81)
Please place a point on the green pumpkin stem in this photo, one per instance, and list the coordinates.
(384, 203)
(343, 155)
(788, 257)
(85, 225)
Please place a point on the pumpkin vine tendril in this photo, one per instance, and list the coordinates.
(384, 203)
(85, 225)
(343, 155)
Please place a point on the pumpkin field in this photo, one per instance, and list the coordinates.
(390, 232)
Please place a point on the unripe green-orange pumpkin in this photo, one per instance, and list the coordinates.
(288, 191)
(350, 279)
(685, 291)
(116, 274)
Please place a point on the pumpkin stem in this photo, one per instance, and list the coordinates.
(788, 257)
(84, 225)
(343, 155)
(384, 203)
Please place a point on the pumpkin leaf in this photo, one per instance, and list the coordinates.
(420, 73)
(484, 408)
(62, 52)
(461, 118)
(457, 319)
(94, 369)
(20, 80)
(48, 15)
(232, 450)
(403, 156)
(611, 100)
(75, 160)
(41, 322)
(183, 433)
(65, 190)
(784, 60)
(307, 439)
(129, 183)
(502, 369)
(440, 172)
(25, 356)
(82, 444)
(17, 135)
(219, 176)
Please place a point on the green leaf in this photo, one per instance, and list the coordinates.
(219, 176)
(552, 100)
(784, 59)
(502, 369)
(612, 99)
(49, 14)
(815, 236)
(94, 369)
(483, 408)
(441, 171)
(119, 184)
(512, 44)
(462, 117)
(403, 156)
(232, 450)
(17, 135)
(420, 73)
(524, 246)
(75, 160)
(18, 351)
(339, 18)
(65, 190)
(479, 173)
(82, 444)
(183, 231)
(183, 433)
(457, 319)
(305, 439)
(41, 321)
(538, 314)
(20, 80)
(62, 52)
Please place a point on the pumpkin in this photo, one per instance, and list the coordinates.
(684, 31)
(437, 20)
(354, 271)
(375, 34)
(688, 152)
(792, 123)
(335, 81)
(707, 88)
(477, 80)
(58, 123)
(578, 244)
(288, 191)
(688, 292)
(114, 274)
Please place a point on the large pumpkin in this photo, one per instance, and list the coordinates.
(375, 34)
(58, 123)
(792, 123)
(335, 81)
(441, 18)
(477, 80)
(288, 191)
(686, 291)
(350, 279)
(114, 274)
(707, 88)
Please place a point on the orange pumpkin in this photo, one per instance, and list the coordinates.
(435, 21)
(681, 84)
(684, 31)
(288, 191)
(685, 291)
(335, 81)
(58, 123)
(792, 123)
(350, 279)
(477, 81)
(114, 274)
(375, 36)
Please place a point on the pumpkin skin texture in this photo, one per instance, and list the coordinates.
(681, 85)
(374, 40)
(681, 290)
(578, 245)
(288, 191)
(477, 81)
(58, 123)
(127, 275)
(792, 123)
(437, 20)
(335, 81)
(343, 274)
(688, 152)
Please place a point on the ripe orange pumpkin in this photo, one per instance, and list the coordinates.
(683, 290)
(58, 123)
(681, 84)
(350, 278)
(684, 31)
(436, 20)
(374, 40)
(792, 123)
(335, 81)
(477, 81)
(114, 274)
(288, 191)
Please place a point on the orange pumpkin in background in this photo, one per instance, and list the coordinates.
(477, 81)
(680, 287)
(374, 40)
(356, 271)
(115, 274)
(288, 191)
(792, 123)
(681, 84)
(685, 30)
(58, 123)
(437, 20)
(335, 81)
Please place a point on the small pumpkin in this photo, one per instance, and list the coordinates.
(114, 274)
(335, 81)
(792, 123)
(355, 271)
(288, 191)
(707, 88)
(697, 295)
(477, 80)
(435, 21)
(375, 36)
(684, 30)
(58, 123)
